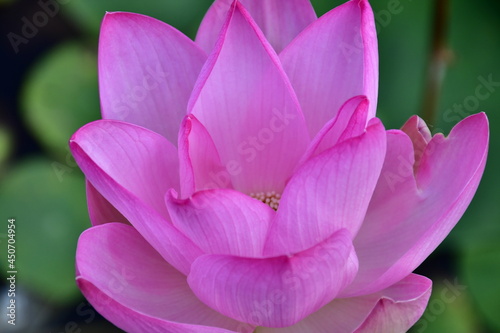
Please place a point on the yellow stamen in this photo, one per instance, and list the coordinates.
(272, 199)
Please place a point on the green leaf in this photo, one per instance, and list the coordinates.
(50, 213)
(61, 95)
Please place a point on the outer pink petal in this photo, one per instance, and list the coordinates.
(349, 122)
(399, 306)
(407, 218)
(133, 168)
(100, 210)
(131, 285)
(147, 70)
(222, 221)
(394, 309)
(334, 59)
(278, 291)
(279, 20)
(328, 193)
(245, 101)
(200, 164)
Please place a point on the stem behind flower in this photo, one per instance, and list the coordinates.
(439, 59)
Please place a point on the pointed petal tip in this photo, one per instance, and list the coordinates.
(240, 9)
(358, 99)
(184, 130)
(242, 48)
(480, 117)
(375, 124)
(83, 129)
(116, 18)
(110, 15)
(420, 135)
(479, 123)
(351, 56)
(187, 123)
(102, 124)
(362, 2)
(412, 120)
(173, 196)
(279, 20)
(346, 124)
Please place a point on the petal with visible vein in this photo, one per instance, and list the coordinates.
(222, 221)
(280, 20)
(277, 291)
(248, 106)
(329, 192)
(409, 216)
(200, 164)
(133, 167)
(147, 70)
(349, 122)
(392, 310)
(131, 285)
(332, 60)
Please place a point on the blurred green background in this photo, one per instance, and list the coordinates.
(49, 89)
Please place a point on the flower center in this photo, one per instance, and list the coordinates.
(272, 199)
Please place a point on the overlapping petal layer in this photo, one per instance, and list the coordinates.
(409, 216)
(420, 135)
(200, 164)
(133, 168)
(280, 20)
(101, 210)
(257, 113)
(129, 283)
(277, 291)
(394, 309)
(349, 122)
(222, 221)
(329, 192)
(332, 60)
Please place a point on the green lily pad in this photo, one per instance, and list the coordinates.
(61, 95)
(50, 213)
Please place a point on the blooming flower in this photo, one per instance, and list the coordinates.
(242, 183)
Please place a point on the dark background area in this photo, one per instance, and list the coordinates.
(48, 89)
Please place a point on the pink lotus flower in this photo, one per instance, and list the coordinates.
(282, 204)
